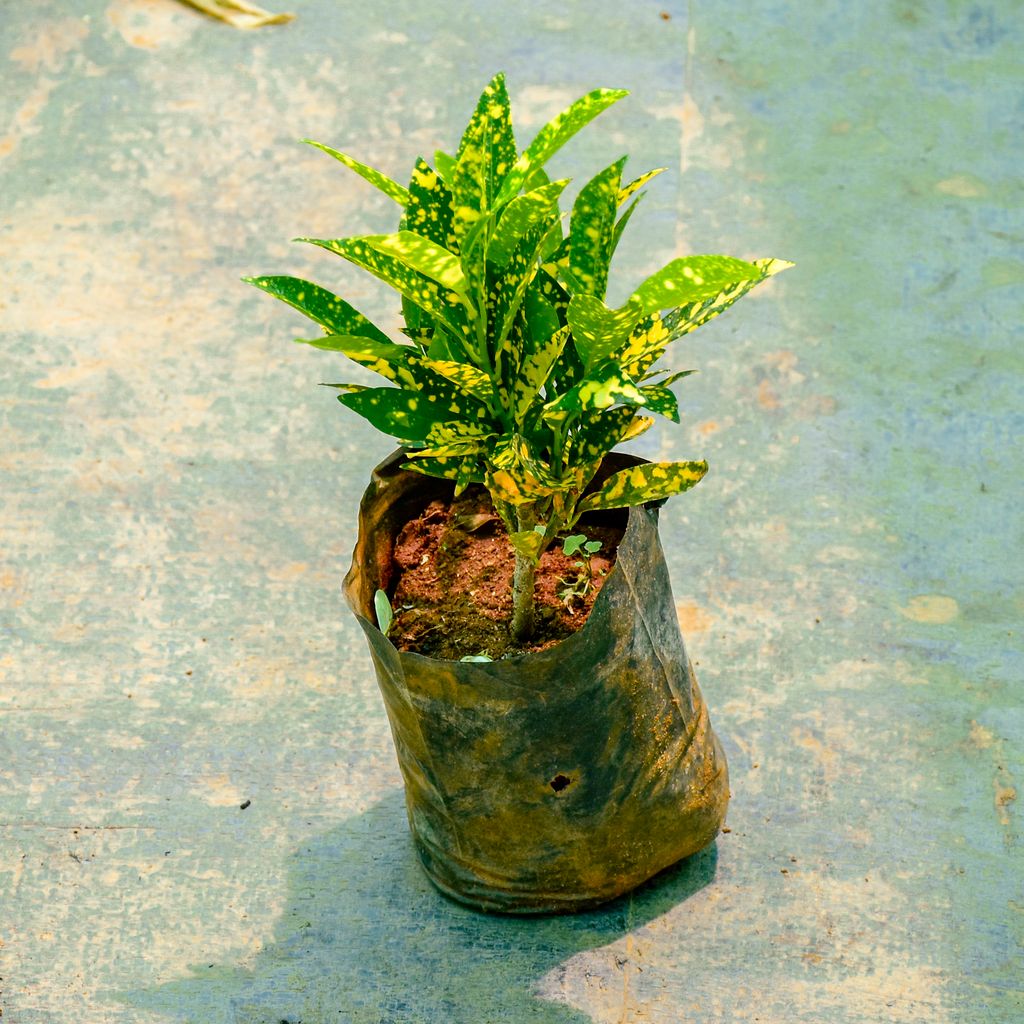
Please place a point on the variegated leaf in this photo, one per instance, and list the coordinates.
(607, 387)
(620, 225)
(692, 279)
(661, 400)
(485, 156)
(645, 345)
(429, 209)
(597, 330)
(598, 432)
(637, 183)
(534, 367)
(518, 217)
(555, 134)
(407, 415)
(335, 315)
(651, 481)
(670, 379)
(464, 470)
(591, 231)
(424, 256)
(520, 270)
(389, 187)
(425, 293)
(527, 543)
(385, 358)
(464, 376)
(445, 164)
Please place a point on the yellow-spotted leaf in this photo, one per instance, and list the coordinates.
(607, 387)
(518, 217)
(661, 400)
(406, 415)
(520, 270)
(671, 378)
(692, 279)
(555, 134)
(598, 432)
(335, 315)
(597, 330)
(422, 255)
(534, 368)
(429, 209)
(637, 183)
(464, 376)
(485, 156)
(389, 187)
(445, 164)
(527, 543)
(591, 231)
(651, 481)
(427, 294)
(385, 358)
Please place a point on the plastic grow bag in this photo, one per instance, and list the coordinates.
(557, 780)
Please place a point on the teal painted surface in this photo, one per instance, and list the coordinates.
(179, 504)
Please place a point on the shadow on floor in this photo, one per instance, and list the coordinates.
(366, 939)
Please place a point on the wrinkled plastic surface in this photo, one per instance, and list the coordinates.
(551, 781)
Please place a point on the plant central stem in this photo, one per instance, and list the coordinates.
(522, 598)
(522, 582)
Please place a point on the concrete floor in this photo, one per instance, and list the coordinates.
(178, 501)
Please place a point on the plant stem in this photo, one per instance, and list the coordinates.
(522, 598)
(522, 583)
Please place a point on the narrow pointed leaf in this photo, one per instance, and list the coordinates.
(638, 183)
(671, 378)
(591, 230)
(534, 368)
(650, 481)
(464, 376)
(379, 180)
(598, 330)
(421, 290)
(429, 209)
(662, 401)
(334, 314)
(486, 154)
(555, 134)
(406, 415)
(620, 225)
(385, 358)
(518, 217)
(422, 255)
(692, 279)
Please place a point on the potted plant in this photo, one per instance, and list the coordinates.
(540, 776)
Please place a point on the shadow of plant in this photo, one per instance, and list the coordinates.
(366, 939)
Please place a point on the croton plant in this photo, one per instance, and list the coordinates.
(514, 373)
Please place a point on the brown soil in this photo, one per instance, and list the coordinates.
(453, 596)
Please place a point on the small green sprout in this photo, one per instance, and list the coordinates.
(578, 588)
(382, 606)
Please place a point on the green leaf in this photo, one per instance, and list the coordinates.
(651, 481)
(518, 217)
(462, 470)
(660, 400)
(598, 331)
(429, 210)
(520, 270)
(572, 544)
(385, 358)
(592, 547)
(445, 165)
(527, 543)
(692, 279)
(598, 432)
(534, 367)
(620, 225)
(591, 230)
(608, 386)
(475, 657)
(555, 134)
(671, 378)
(485, 156)
(381, 181)
(424, 292)
(406, 415)
(321, 306)
(637, 183)
(424, 256)
(467, 378)
(382, 606)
